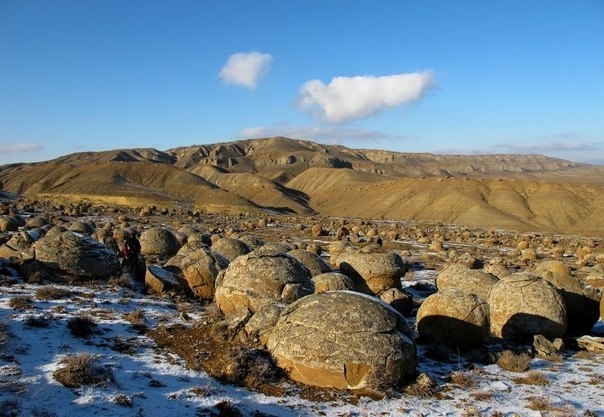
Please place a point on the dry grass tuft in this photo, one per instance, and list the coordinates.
(37, 321)
(532, 378)
(3, 334)
(514, 362)
(122, 400)
(80, 370)
(223, 408)
(122, 345)
(463, 379)
(543, 404)
(482, 396)
(81, 326)
(253, 367)
(10, 408)
(136, 317)
(50, 292)
(21, 302)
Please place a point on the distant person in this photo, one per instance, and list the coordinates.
(132, 249)
(111, 243)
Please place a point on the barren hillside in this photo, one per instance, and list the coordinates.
(522, 192)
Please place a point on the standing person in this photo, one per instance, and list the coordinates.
(132, 248)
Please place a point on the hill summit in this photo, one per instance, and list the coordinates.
(299, 177)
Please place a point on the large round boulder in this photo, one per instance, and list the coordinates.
(230, 247)
(259, 278)
(523, 305)
(82, 227)
(373, 273)
(469, 281)
(313, 262)
(342, 339)
(454, 318)
(582, 306)
(159, 242)
(70, 253)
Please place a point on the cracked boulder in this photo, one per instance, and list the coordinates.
(159, 242)
(523, 305)
(332, 281)
(453, 318)
(343, 339)
(65, 252)
(373, 273)
(469, 281)
(199, 266)
(582, 303)
(261, 277)
(231, 248)
(313, 262)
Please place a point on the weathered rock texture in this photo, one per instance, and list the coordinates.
(160, 280)
(454, 318)
(313, 262)
(466, 280)
(73, 254)
(332, 281)
(259, 278)
(522, 305)
(373, 273)
(582, 306)
(231, 248)
(159, 242)
(342, 339)
(199, 267)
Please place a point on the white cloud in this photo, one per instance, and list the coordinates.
(348, 98)
(19, 147)
(244, 69)
(330, 135)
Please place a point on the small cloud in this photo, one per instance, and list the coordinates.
(20, 147)
(555, 146)
(349, 98)
(330, 135)
(244, 69)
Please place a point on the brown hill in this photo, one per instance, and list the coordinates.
(522, 192)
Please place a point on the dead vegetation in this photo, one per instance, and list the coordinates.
(21, 302)
(532, 378)
(81, 326)
(514, 362)
(51, 292)
(82, 369)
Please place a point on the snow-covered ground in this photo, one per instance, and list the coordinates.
(150, 382)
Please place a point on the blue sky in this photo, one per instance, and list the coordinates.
(442, 76)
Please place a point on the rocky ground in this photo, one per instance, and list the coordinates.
(209, 341)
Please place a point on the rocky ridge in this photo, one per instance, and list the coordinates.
(288, 176)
